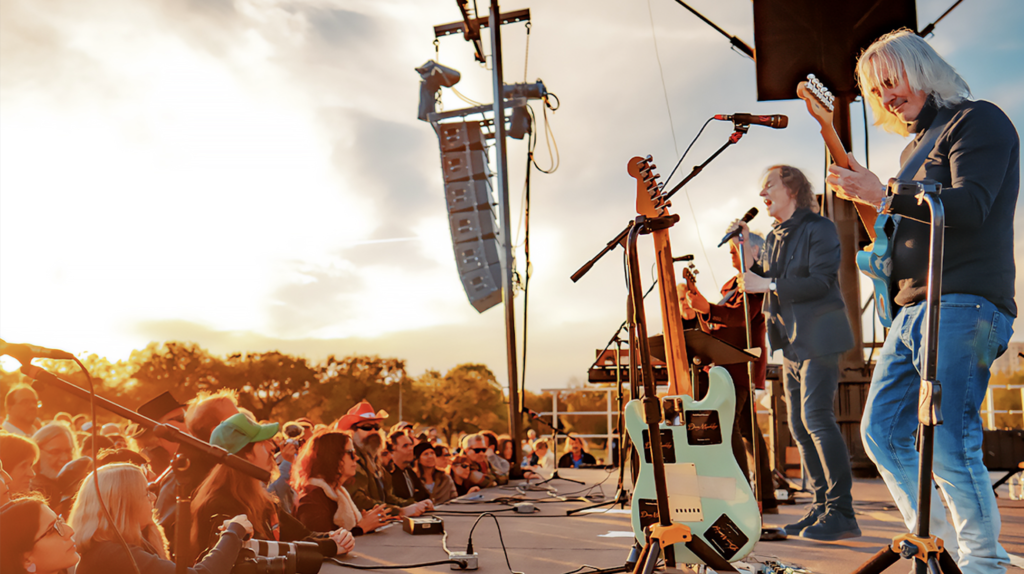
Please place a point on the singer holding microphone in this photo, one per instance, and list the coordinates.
(805, 318)
(728, 324)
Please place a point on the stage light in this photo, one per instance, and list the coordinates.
(434, 76)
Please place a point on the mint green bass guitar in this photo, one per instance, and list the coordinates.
(706, 488)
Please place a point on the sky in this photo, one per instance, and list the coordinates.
(250, 175)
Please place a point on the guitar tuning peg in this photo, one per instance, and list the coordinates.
(811, 77)
(649, 158)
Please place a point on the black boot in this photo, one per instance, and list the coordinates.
(813, 512)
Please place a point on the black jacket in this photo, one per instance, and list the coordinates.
(805, 316)
(976, 158)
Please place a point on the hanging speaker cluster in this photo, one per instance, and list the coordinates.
(474, 227)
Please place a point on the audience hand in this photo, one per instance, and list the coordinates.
(473, 489)
(374, 518)
(288, 451)
(412, 510)
(344, 540)
(240, 519)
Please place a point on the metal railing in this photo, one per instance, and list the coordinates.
(989, 412)
(609, 412)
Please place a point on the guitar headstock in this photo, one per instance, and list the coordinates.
(818, 98)
(649, 199)
(690, 275)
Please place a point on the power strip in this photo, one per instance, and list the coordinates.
(472, 561)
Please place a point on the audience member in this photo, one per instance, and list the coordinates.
(460, 470)
(475, 447)
(123, 487)
(228, 492)
(443, 456)
(101, 442)
(56, 448)
(575, 456)
(506, 446)
(368, 488)
(401, 426)
(499, 464)
(542, 461)
(208, 410)
(5, 487)
(165, 410)
(321, 469)
(386, 458)
(434, 481)
(19, 456)
(22, 406)
(33, 539)
(64, 418)
(287, 448)
(404, 481)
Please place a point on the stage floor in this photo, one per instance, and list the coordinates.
(548, 541)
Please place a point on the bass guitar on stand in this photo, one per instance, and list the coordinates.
(690, 498)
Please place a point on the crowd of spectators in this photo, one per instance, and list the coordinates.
(329, 483)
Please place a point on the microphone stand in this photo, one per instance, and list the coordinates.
(554, 476)
(181, 463)
(620, 239)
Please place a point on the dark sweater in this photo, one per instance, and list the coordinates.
(405, 484)
(977, 160)
(110, 558)
(315, 510)
(586, 459)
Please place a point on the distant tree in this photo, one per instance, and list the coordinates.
(270, 384)
(468, 398)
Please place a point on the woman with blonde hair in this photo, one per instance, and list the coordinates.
(123, 487)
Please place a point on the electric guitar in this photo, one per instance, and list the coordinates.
(707, 491)
(875, 260)
(689, 276)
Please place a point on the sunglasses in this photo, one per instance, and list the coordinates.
(351, 452)
(367, 427)
(463, 466)
(478, 450)
(59, 526)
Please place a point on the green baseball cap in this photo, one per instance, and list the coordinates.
(233, 434)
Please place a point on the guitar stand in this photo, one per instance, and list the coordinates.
(926, 549)
(555, 476)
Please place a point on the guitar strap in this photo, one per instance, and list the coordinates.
(914, 163)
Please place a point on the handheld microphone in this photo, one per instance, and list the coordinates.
(777, 121)
(25, 353)
(746, 219)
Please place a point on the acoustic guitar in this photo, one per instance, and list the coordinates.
(875, 260)
(707, 491)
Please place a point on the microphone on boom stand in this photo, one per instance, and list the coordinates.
(777, 121)
(746, 219)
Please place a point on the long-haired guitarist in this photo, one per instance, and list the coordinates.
(976, 158)
(806, 319)
(727, 321)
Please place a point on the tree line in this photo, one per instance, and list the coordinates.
(279, 386)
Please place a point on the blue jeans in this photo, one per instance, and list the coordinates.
(972, 333)
(810, 393)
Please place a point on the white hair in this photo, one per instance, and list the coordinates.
(903, 51)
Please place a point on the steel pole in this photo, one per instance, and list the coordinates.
(501, 161)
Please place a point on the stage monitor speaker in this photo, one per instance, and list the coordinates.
(793, 38)
(460, 135)
(463, 165)
(469, 195)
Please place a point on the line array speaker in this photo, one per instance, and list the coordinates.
(476, 238)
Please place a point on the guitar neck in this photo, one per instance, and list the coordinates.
(867, 213)
(672, 319)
